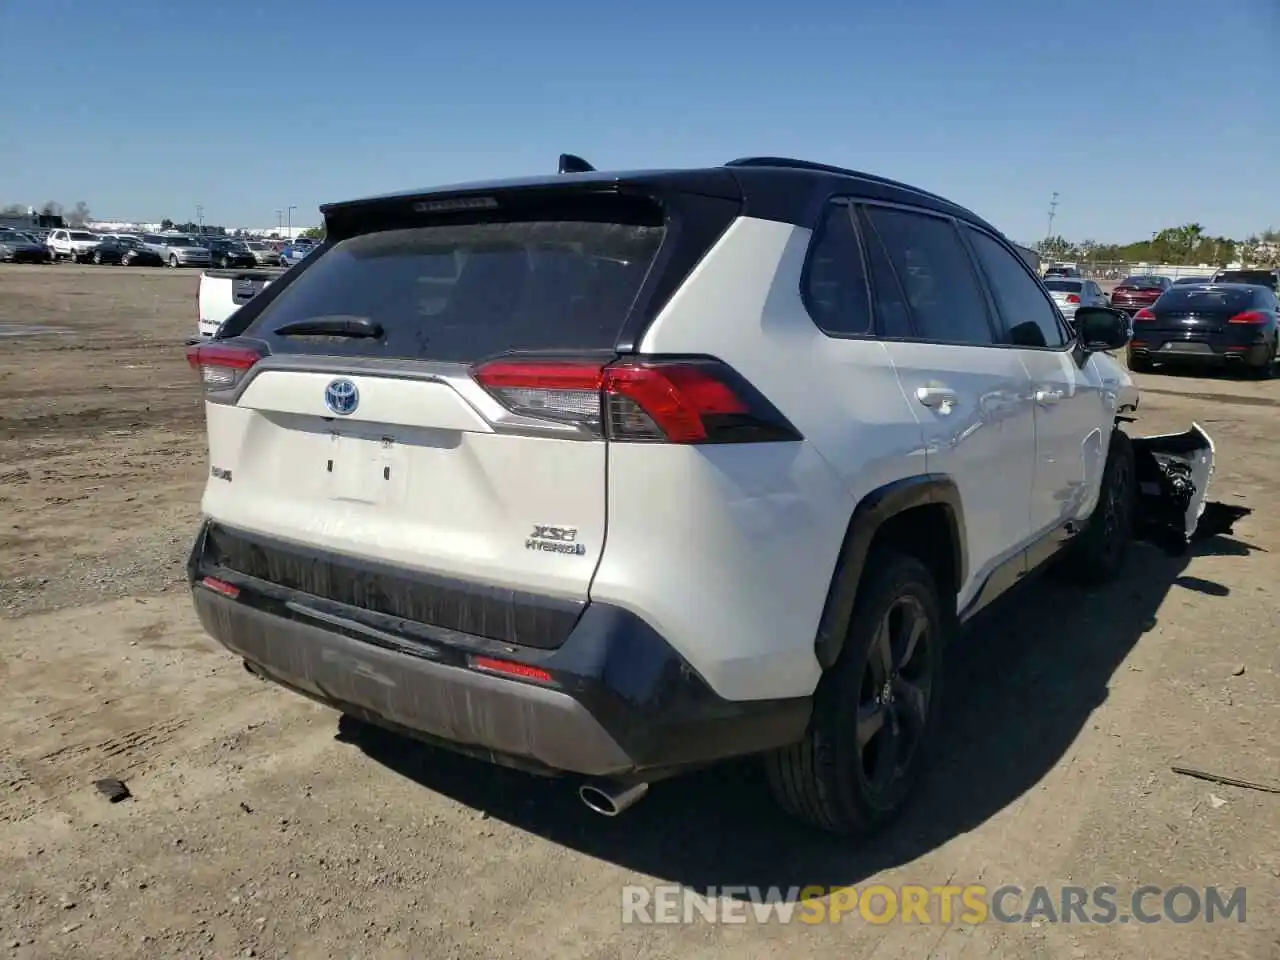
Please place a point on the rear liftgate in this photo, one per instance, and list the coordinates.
(1173, 472)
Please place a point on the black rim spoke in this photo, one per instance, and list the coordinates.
(884, 769)
(913, 700)
(894, 701)
(914, 626)
(871, 720)
(881, 657)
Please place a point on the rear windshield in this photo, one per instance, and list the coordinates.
(1207, 299)
(1141, 282)
(1262, 278)
(464, 292)
(1064, 286)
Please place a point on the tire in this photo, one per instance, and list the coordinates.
(1266, 370)
(1097, 554)
(828, 780)
(173, 262)
(1138, 364)
(97, 257)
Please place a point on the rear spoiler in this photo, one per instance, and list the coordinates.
(570, 163)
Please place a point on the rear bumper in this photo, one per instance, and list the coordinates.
(1244, 346)
(619, 702)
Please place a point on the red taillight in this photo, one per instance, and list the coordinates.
(512, 669)
(1144, 316)
(676, 401)
(1249, 316)
(221, 367)
(1073, 298)
(221, 586)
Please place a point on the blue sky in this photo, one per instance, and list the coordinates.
(1141, 114)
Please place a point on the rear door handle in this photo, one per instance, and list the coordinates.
(937, 398)
(1047, 398)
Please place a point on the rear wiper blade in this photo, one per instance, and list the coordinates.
(331, 327)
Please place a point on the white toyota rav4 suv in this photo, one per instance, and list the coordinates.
(615, 475)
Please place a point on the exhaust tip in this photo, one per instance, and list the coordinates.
(599, 801)
(608, 800)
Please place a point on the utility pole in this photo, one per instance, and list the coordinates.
(279, 221)
(1053, 209)
(200, 216)
(289, 222)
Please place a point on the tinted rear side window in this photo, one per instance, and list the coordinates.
(1206, 299)
(462, 292)
(835, 288)
(937, 276)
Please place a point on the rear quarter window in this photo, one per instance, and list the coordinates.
(463, 292)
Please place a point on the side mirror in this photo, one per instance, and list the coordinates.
(1102, 328)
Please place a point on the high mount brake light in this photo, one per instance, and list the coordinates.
(651, 399)
(221, 367)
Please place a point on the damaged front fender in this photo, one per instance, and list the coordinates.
(1173, 473)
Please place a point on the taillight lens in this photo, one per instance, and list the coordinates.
(665, 400)
(1144, 316)
(221, 367)
(1073, 298)
(1249, 316)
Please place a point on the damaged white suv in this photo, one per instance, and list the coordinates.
(616, 475)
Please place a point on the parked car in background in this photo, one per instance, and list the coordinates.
(1187, 281)
(1133, 293)
(1266, 277)
(226, 253)
(1227, 324)
(222, 292)
(135, 253)
(1058, 270)
(178, 250)
(75, 245)
(264, 254)
(19, 247)
(1070, 294)
(108, 250)
(297, 251)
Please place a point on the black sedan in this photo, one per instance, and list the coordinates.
(230, 253)
(1227, 324)
(129, 252)
(16, 247)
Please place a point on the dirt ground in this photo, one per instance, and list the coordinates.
(259, 827)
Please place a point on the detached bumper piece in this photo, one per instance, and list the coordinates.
(613, 700)
(1173, 473)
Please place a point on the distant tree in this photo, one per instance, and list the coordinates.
(1054, 248)
(51, 208)
(79, 215)
(315, 233)
(166, 224)
(13, 210)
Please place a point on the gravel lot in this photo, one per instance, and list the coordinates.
(260, 827)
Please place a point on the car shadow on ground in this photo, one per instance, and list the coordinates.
(1022, 683)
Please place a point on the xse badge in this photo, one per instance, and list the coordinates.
(555, 540)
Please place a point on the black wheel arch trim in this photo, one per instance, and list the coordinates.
(871, 513)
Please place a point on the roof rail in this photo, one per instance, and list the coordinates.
(793, 164)
(569, 163)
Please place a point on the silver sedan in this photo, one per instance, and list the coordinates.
(1072, 293)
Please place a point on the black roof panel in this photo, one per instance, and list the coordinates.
(770, 188)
